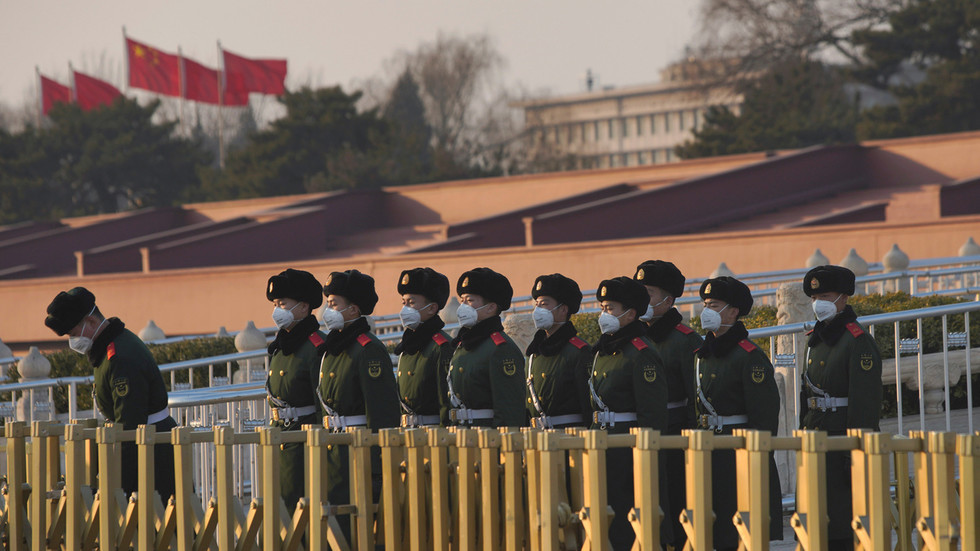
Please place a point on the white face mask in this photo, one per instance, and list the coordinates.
(411, 317)
(81, 343)
(609, 323)
(334, 319)
(543, 318)
(648, 315)
(282, 317)
(468, 315)
(825, 310)
(711, 320)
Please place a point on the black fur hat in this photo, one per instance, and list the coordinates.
(828, 279)
(626, 291)
(426, 282)
(68, 308)
(297, 285)
(355, 287)
(659, 273)
(562, 289)
(730, 290)
(487, 283)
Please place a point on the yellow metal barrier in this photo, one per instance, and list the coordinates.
(469, 489)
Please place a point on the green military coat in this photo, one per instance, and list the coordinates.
(294, 362)
(558, 374)
(737, 378)
(843, 360)
(423, 362)
(487, 372)
(128, 388)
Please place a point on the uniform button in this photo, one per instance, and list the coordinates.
(406, 398)
(329, 447)
(282, 446)
(810, 362)
(329, 400)
(529, 400)
(409, 373)
(712, 375)
(709, 398)
(331, 374)
(822, 363)
(461, 370)
(281, 372)
(399, 373)
(542, 375)
(595, 373)
(270, 373)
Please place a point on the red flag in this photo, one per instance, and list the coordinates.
(91, 92)
(242, 74)
(53, 92)
(201, 84)
(152, 69)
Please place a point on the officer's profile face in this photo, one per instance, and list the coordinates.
(299, 309)
(558, 311)
(81, 327)
(615, 308)
(426, 307)
(477, 303)
(660, 300)
(728, 315)
(839, 299)
(349, 310)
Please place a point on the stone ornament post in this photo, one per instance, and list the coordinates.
(5, 352)
(859, 266)
(896, 261)
(792, 306)
(34, 367)
(520, 327)
(970, 248)
(151, 332)
(817, 259)
(722, 270)
(448, 314)
(249, 339)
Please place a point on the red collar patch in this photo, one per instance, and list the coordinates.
(855, 329)
(684, 329)
(439, 339)
(747, 345)
(110, 351)
(363, 338)
(316, 339)
(498, 339)
(639, 344)
(578, 343)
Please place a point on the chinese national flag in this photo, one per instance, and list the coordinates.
(201, 84)
(152, 69)
(267, 76)
(91, 92)
(53, 92)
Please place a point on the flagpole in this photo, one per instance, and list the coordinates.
(126, 49)
(183, 88)
(40, 97)
(221, 111)
(73, 96)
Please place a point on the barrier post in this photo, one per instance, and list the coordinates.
(91, 454)
(646, 515)
(180, 437)
(224, 455)
(511, 446)
(16, 482)
(109, 483)
(53, 470)
(902, 511)
(596, 515)
(316, 470)
(269, 442)
(752, 465)
(698, 521)
(810, 519)
(418, 521)
(391, 495)
(442, 522)
(468, 502)
(968, 449)
(872, 515)
(38, 502)
(939, 529)
(145, 487)
(360, 479)
(543, 481)
(74, 480)
(489, 442)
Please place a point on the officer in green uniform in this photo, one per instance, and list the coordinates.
(356, 384)
(128, 389)
(676, 344)
(424, 351)
(841, 385)
(736, 389)
(486, 374)
(559, 361)
(294, 362)
(629, 389)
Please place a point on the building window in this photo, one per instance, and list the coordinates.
(626, 128)
(668, 155)
(595, 136)
(557, 136)
(581, 130)
(611, 127)
(680, 120)
(667, 122)
(639, 127)
(640, 158)
(695, 114)
(626, 160)
(653, 124)
(612, 161)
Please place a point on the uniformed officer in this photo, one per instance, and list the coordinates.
(486, 374)
(424, 351)
(356, 384)
(559, 361)
(736, 389)
(841, 384)
(629, 389)
(128, 389)
(676, 344)
(294, 362)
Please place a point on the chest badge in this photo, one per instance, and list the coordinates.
(758, 374)
(374, 369)
(510, 367)
(867, 362)
(650, 373)
(120, 386)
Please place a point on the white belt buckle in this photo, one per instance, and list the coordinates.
(541, 422)
(336, 423)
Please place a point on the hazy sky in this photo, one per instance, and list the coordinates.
(547, 44)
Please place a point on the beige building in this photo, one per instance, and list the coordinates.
(619, 127)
